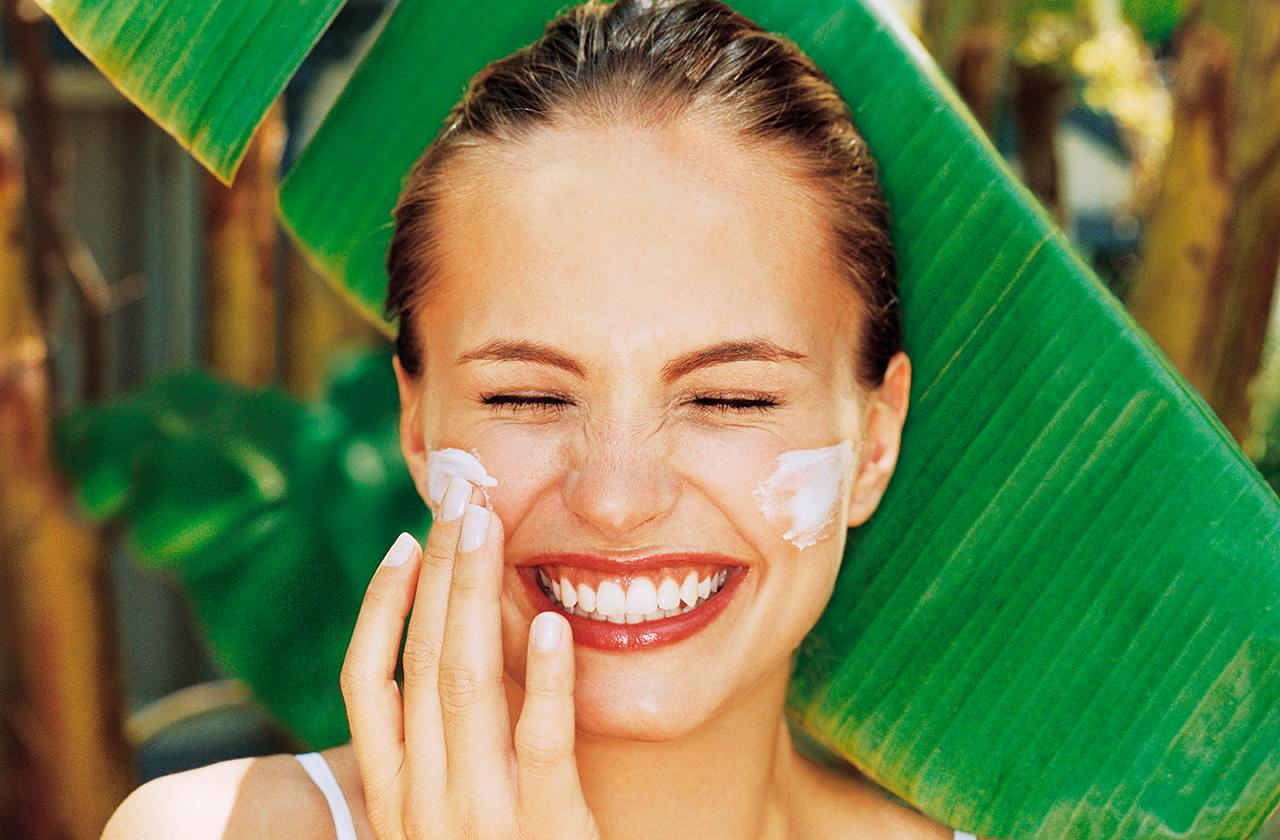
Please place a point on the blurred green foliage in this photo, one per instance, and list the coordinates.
(272, 514)
(1155, 18)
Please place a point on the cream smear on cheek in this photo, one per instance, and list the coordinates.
(444, 464)
(805, 491)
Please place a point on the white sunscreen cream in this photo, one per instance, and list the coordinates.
(444, 464)
(805, 490)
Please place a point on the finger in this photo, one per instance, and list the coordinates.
(549, 793)
(472, 699)
(424, 732)
(368, 676)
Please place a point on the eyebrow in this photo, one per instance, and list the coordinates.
(740, 350)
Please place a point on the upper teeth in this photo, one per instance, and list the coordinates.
(642, 600)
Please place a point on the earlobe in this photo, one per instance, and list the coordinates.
(412, 442)
(882, 432)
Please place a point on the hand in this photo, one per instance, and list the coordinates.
(441, 763)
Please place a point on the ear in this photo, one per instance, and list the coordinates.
(412, 443)
(883, 435)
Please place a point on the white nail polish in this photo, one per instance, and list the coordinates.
(400, 551)
(443, 464)
(475, 526)
(546, 631)
(455, 499)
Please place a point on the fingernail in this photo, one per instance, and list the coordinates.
(546, 631)
(475, 525)
(455, 498)
(400, 550)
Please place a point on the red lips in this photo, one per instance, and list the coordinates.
(605, 635)
(623, 565)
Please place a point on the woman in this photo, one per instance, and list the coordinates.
(651, 371)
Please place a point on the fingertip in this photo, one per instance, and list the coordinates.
(549, 627)
(401, 550)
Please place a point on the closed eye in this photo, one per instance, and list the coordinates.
(738, 404)
(549, 404)
(518, 404)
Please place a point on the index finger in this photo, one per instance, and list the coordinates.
(477, 734)
(368, 681)
(423, 728)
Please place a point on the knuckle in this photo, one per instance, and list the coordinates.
(420, 659)
(383, 822)
(418, 831)
(381, 595)
(539, 753)
(416, 823)
(465, 585)
(460, 688)
(351, 679)
(463, 826)
(527, 832)
(436, 554)
(545, 687)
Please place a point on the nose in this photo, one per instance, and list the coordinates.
(621, 482)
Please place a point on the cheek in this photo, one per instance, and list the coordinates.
(776, 496)
(806, 493)
(522, 461)
(795, 496)
(445, 463)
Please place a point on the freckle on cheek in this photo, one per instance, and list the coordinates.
(444, 464)
(804, 491)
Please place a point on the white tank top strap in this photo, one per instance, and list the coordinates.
(318, 769)
(964, 835)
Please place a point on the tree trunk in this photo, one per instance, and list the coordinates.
(317, 321)
(969, 40)
(61, 714)
(1040, 94)
(1243, 283)
(240, 244)
(1212, 244)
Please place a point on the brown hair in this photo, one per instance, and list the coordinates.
(660, 60)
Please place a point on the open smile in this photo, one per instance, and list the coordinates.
(625, 605)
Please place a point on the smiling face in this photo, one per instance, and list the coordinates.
(663, 300)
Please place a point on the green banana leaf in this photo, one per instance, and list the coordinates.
(204, 70)
(345, 224)
(1062, 620)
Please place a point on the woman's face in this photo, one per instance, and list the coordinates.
(623, 251)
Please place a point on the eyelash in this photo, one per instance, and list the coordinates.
(551, 404)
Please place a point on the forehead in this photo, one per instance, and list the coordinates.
(627, 239)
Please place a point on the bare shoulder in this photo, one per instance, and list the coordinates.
(843, 804)
(263, 797)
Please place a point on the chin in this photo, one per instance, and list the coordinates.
(616, 709)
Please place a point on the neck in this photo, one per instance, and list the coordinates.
(729, 778)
